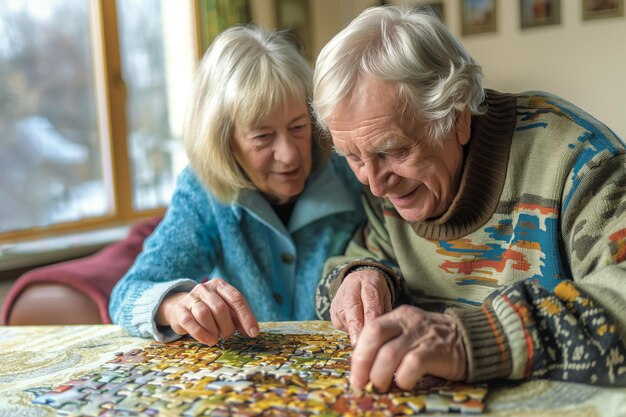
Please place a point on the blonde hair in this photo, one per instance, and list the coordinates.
(245, 75)
(435, 76)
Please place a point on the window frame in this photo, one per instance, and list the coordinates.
(112, 127)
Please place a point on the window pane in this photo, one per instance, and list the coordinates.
(49, 146)
(158, 58)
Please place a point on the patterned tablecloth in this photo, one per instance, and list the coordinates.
(38, 358)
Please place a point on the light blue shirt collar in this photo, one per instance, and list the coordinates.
(325, 194)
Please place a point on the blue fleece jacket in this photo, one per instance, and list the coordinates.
(275, 267)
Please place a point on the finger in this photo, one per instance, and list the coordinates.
(388, 359)
(198, 323)
(337, 318)
(374, 335)
(386, 298)
(238, 324)
(353, 313)
(220, 313)
(373, 302)
(387, 302)
(415, 365)
(180, 316)
(177, 320)
(239, 305)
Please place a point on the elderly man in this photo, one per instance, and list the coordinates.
(500, 218)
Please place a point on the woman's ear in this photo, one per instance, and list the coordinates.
(463, 127)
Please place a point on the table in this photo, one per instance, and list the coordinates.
(37, 358)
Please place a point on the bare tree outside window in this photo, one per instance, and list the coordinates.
(52, 166)
(49, 156)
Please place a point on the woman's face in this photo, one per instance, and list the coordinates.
(276, 154)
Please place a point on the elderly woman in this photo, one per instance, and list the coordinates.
(257, 212)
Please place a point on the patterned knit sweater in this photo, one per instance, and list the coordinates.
(531, 256)
(275, 266)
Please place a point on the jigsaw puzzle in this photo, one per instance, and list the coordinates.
(271, 375)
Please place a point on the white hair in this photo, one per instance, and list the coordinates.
(435, 76)
(245, 75)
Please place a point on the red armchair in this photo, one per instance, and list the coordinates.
(75, 291)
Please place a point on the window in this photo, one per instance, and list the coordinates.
(92, 98)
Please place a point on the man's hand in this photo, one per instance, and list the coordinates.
(362, 296)
(208, 311)
(408, 343)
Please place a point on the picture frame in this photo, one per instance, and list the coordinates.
(535, 13)
(478, 16)
(601, 9)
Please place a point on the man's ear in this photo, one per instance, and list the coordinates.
(463, 127)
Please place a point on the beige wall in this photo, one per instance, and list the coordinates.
(327, 18)
(584, 62)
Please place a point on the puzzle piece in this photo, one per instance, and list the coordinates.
(273, 374)
(64, 394)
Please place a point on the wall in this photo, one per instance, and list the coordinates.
(327, 17)
(584, 62)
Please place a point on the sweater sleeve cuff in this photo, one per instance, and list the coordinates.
(329, 285)
(486, 345)
(388, 273)
(146, 307)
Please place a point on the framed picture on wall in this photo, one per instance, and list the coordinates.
(535, 13)
(599, 9)
(478, 16)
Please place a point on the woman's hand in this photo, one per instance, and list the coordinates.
(210, 310)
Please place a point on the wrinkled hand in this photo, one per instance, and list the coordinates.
(210, 310)
(408, 343)
(362, 296)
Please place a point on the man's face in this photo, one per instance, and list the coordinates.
(394, 158)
